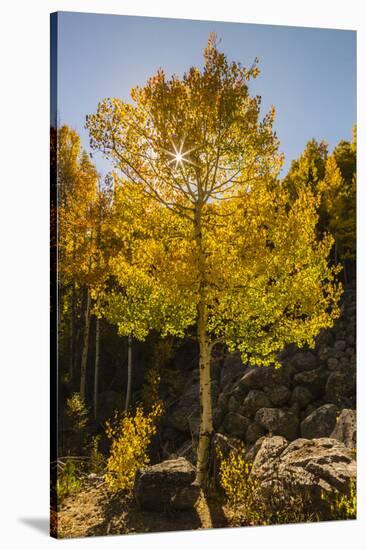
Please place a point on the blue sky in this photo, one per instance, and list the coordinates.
(308, 74)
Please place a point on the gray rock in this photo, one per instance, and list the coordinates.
(233, 404)
(325, 352)
(309, 409)
(278, 422)
(340, 345)
(306, 465)
(301, 396)
(255, 400)
(341, 385)
(332, 363)
(344, 363)
(223, 401)
(325, 337)
(217, 417)
(313, 380)
(270, 450)
(350, 352)
(278, 395)
(295, 408)
(169, 485)
(345, 428)
(252, 452)
(319, 423)
(185, 416)
(254, 432)
(231, 369)
(235, 424)
(350, 340)
(304, 360)
(215, 392)
(257, 378)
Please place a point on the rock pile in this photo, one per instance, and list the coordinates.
(303, 397)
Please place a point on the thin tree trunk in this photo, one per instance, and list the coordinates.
(129, 372)
(206, 425)
(84, 356)
(72, 335)
(96, 367)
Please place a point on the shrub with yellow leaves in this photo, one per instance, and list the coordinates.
(131, 436)
(234, 475)
(285, 504)
(341, 506)
(150, 389)
(78, 412)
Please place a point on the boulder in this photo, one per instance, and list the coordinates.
(325, 352)
(169, 485)
(217, 417)
(233, 404)
(257, 378)
(333, 363)
(235, 424)
(185, 415)
(254, 432)
(255, 400)
(278, 422)
(314, 380)
(215, 392)
(325, 337)
(278, 395)
(350, 340)
(345, 428)
(341, 386)
(252, 452)
(304, 360)
(231, 369)
(222, 401)
(314, 465)
(268, 451)
(320, 423)
(340, 345)
(301, 396)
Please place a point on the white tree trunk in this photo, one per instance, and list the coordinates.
(96, 367)
(72, 340)
(84, 356)
(129, 373)
(206, 425)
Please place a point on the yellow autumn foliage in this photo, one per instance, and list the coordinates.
(233, 475)
(131, 435)
(247, 506)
